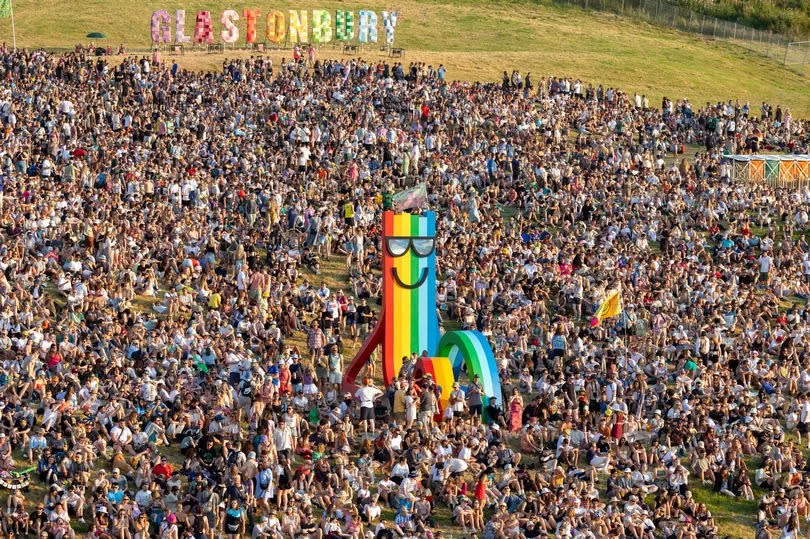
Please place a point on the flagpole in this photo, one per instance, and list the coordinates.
(13, 31)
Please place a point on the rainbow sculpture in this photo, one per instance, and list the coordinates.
(408, 322)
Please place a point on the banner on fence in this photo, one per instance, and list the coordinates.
(297, 26)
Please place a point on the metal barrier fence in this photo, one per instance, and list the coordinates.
(797, 53)
(662, 13)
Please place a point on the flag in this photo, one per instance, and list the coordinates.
(612, 306)
(5, 8)
(415, 197)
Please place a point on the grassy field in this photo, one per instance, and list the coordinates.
(476, 41)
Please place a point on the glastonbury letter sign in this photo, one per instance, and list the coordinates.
(274, 26)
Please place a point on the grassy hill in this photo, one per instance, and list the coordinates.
(475, 40)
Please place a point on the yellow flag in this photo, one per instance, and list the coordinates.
(612, 306)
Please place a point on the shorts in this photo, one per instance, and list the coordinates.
(349, 221)
(366, 413)
(476, 409)
(802, 427)
(335, 377)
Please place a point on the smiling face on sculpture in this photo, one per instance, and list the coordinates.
(415, 246)
(409, 282)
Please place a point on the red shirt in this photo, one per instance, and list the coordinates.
(480, 490)
(165, 470)
(54, 359)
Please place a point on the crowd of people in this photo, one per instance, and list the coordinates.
(189, 259)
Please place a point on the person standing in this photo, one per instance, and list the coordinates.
(410, 407)
(366, 396)
(457, 400)
(765, 263)
(804, 419)
(315, 341)
(234, 520)
(335, 364)
(364, 316)
(399, 401)
(428, 404)
(283, 438)
(515, 411)
(474, 402)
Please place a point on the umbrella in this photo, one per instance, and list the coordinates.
(96, 35)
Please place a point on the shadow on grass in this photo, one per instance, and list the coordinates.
(735, 517)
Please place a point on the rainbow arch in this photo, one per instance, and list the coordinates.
(472, 349)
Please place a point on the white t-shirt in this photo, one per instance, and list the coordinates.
(765, 262)
(121, 435)
(804, 413)
(366, 396)
(456, 465)
(400, 470)
(303, 156)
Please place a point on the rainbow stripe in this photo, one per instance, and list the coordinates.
(411, 324)
(442, 372)
(472, 349)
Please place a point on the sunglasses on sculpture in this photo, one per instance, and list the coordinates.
(422, 246)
